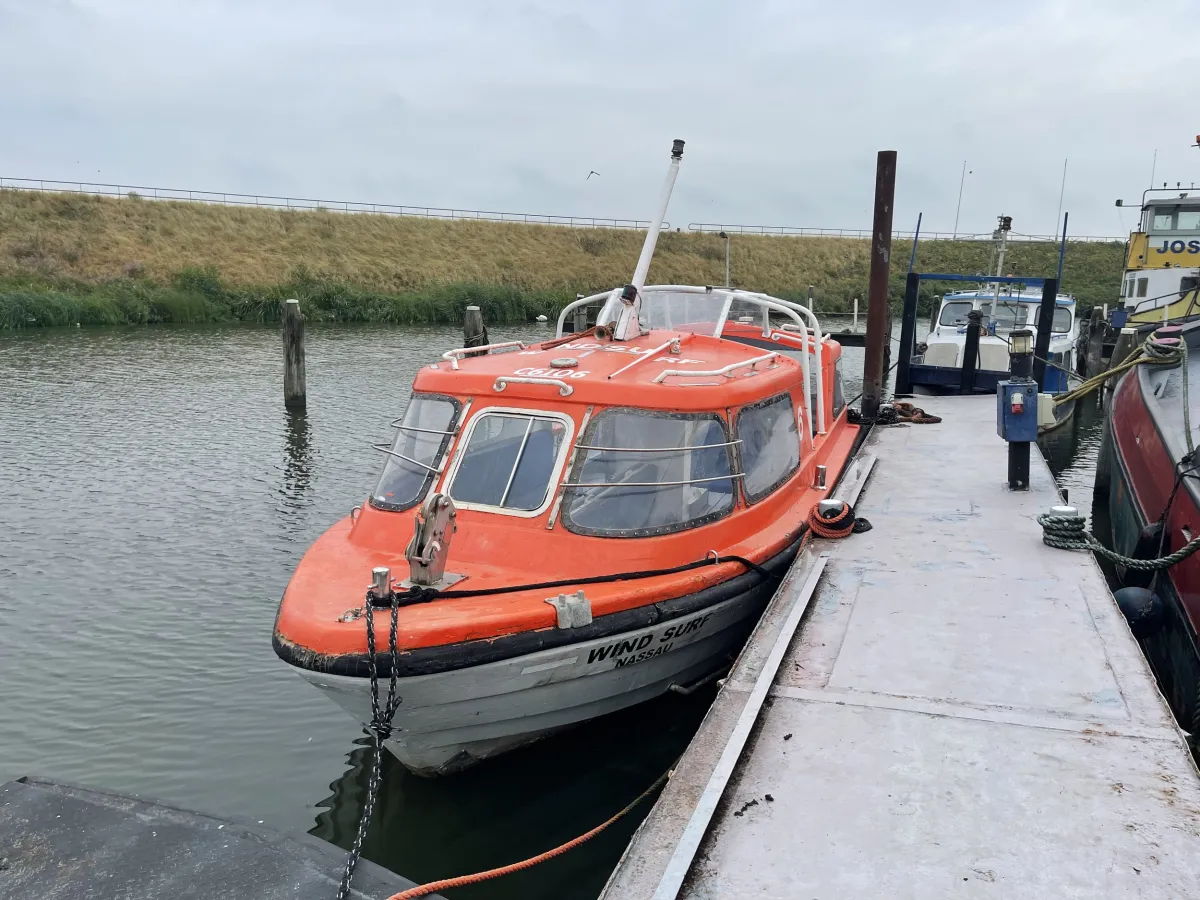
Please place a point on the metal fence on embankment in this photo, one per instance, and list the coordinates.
(221, 198)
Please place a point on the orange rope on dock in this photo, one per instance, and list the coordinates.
(909, 413)
(422, 890)
(840, 525)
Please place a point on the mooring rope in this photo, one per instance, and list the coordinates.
(1153, 352)
(1068, 532)
(422, 889)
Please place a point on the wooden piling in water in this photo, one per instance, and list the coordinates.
(474, 331)
(295, 394)
(581, 316)
(878, 331)
(1093, 363)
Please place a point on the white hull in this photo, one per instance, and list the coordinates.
(450, 720)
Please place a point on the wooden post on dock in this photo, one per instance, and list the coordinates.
(295, 395)
(878, 333)
(474, 331)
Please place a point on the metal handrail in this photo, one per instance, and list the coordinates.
(484, 350)
(266, 201)
(645, 356)
(656, 449)
(600, 484)
(386, 448)
(564, 389)
(712, 373)
(799, 231)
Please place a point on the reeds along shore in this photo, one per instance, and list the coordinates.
(67, 259)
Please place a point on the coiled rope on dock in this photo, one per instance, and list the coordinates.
(1067, 531)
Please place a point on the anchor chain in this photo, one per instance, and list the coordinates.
(380, 728)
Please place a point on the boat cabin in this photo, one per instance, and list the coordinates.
(1002, 313)
(725, 398)
(1162, 270)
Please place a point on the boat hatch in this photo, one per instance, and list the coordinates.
(509, 460)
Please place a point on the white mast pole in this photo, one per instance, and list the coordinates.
(643, 263)
(624, 310)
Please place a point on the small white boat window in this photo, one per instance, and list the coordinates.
(955, 312)
(1188, 220)
(1143, 286)
(1062, 319)
(642, 473)
(509, 461)
(770, 445)
(425, 432)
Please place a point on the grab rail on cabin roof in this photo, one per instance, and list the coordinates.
(564, 389)
(712, 373)
(657, 449)
(453, 355)
(604, 484)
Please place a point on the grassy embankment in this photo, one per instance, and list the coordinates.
(97, 261)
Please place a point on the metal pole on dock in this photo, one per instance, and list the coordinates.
(295, 396)
(854, 327)
(1041, 349)
(908, 332)
(878, 336)
(970, 363)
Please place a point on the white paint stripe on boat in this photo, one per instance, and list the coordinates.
(542, 667)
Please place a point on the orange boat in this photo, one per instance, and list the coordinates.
(586, 522)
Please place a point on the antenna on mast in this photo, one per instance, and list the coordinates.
(621, 319)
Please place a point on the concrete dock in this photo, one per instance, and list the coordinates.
(940, 707)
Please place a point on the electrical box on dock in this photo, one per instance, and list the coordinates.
(1017, 410)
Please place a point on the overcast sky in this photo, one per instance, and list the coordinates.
(508, 106)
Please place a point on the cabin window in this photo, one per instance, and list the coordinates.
(1163, 221)
(1188, 220)
(642, 473)
(1143, 286)
(1061, 322)
(1129, 288)
(425, 432)
(1187, 284)
(509, 461)
(770, 445)
(955, 313)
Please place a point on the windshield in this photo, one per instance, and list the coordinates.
(412, 459)
(955, 312)
(677, 311)
(770, 445)
(644, 473)
(509, 461)
(1061, 322)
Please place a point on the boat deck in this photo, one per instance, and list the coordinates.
(949, 708)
